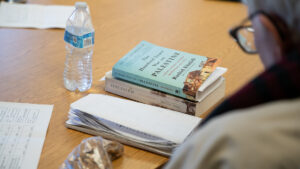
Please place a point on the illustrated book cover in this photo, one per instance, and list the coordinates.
(168, 70)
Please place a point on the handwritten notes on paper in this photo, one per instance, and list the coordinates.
(22, 132)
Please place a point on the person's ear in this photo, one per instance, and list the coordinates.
(267, 40)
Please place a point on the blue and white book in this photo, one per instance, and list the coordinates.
(174, 72)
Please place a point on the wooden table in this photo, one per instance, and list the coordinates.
(32, 61)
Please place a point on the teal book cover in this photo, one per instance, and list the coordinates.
(168, 70)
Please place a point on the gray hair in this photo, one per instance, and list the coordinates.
(288, 10)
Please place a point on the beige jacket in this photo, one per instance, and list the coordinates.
(261, 137)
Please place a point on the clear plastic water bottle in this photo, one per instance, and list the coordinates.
(79, 38)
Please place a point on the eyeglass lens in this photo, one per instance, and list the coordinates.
(245, 37)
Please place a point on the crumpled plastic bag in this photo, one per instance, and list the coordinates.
(93, 153)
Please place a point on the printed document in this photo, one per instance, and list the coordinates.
(34, 16)
(22, 133)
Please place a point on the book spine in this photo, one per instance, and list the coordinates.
(139, 80)
(149, 96)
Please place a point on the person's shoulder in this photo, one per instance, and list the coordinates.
(254, 132)
(262, 133)
(276, 110)
(252, 121)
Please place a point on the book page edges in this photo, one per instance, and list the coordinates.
(212, 99)
(219, 71)
(119, 139)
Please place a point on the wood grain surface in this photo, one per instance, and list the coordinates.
(32, 60)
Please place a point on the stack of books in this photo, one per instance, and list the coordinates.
(162, 80)
(168, 78)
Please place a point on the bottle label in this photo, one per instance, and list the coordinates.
(83, 41)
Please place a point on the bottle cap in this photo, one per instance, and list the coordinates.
(80, 5)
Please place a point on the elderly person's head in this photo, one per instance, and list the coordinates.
(275, 24)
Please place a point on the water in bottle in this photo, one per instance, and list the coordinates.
(79, 38)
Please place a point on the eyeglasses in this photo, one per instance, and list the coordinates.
(244, 35)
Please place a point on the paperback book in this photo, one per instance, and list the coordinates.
(167, 70)
(207, 98)
(136, 124)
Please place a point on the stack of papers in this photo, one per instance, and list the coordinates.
(144, 126)
(34, 16)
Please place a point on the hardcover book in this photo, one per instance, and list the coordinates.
(209, 97)
(140, 125)
(167, 70)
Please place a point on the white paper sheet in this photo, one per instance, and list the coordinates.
(22, 132)
(156, 121)
(34, 16)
